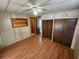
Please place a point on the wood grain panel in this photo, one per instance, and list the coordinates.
(33, 23)
(68, 31)
(64, 30)
(19, 22)
(44, 28)
(58, 30)
(47, 28)
(33, 48)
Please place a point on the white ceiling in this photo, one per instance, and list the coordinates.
(20, 6)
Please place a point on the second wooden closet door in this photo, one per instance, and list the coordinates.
(64, 30)
(68, 31)
(58, 30)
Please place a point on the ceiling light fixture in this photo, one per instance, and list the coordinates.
(36, 10)
(35, 13)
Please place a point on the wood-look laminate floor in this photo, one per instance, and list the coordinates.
(36, 48)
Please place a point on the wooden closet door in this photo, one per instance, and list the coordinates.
(44, 28)
(50, 26)
(33, 24)
(68, 31)
(47, 28)
(64, 30)
(58, 30)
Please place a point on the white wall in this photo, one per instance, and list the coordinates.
(75, 43)
(9, 35)
(63, 14)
